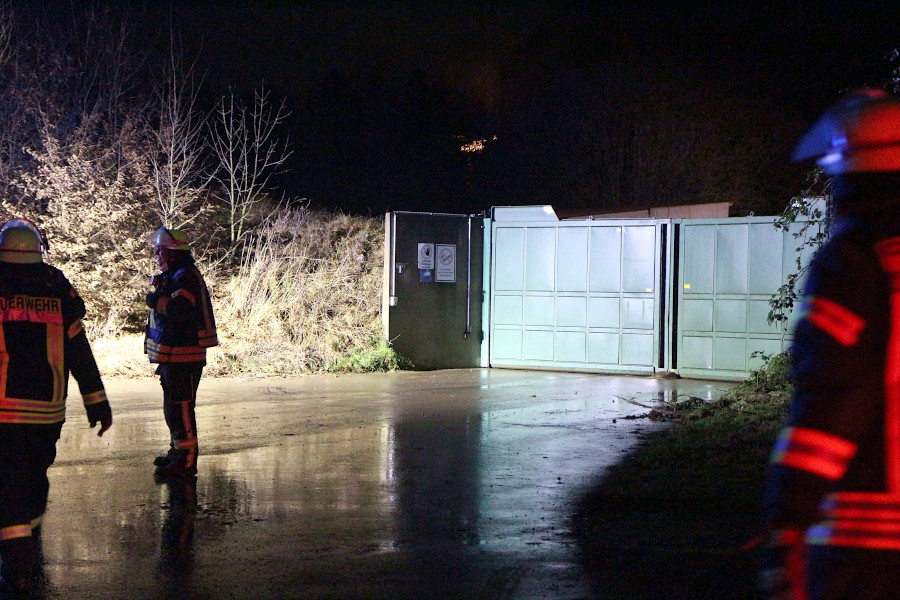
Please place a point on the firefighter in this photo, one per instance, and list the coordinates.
(832, 492)
(180, 328)
(42, 340)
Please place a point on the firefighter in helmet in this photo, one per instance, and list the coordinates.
(832, 493)
(180, 328)
(42, 340)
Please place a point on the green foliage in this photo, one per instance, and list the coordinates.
(772, 376)
(765, 393)
(894, 80)
(810, 226)
(380, 356)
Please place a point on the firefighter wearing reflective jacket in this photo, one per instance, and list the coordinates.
(181, 327)
(832, 493)
(42, 340)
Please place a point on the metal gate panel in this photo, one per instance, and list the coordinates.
(576, 295)
(606, 260)
(509, 249)
(640, 258)
(729, 270)
(731, 259)
(540, 259)
(572, 260)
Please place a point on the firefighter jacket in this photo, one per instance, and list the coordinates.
(181, 325)
(834, 473)
(42, 340)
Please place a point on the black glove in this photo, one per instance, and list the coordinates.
(153, 297)
(102, 413)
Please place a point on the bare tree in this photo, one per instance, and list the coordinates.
(6, 49)
(75, 151)
(249, 152)
(176, 157)
(10, 109)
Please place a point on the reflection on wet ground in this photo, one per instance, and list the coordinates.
(447, 484)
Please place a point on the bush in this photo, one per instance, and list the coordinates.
(380, 357)
(762, 397)
(98, 162)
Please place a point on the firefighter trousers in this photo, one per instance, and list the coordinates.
(26, 452)
(179, 382)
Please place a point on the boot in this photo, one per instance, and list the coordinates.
(177, 465)
(18, 564)
(164, 459)
(174, 470)
(18, 590)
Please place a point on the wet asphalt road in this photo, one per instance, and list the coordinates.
(444, 484)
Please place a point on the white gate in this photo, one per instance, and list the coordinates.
(577, 295)
(689, 296)
(728, 271)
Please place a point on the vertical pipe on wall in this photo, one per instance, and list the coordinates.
(387, 282)
(468, 279)
(392, 257)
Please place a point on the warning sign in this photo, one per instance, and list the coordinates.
(426, 256)
(445, 269)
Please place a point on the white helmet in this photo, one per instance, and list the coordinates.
(21, 242)
(173, 239)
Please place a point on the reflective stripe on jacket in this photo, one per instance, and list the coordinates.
(835, 470)
(871, 519)
(181, 326)
(42, 339)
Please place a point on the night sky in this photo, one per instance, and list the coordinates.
(383, 95)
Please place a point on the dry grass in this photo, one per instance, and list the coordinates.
(307, 294)
(304, 297)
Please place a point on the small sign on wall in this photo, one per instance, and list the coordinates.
(445, 269)
(426, 256)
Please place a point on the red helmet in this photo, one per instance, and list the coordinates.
(861, 133)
